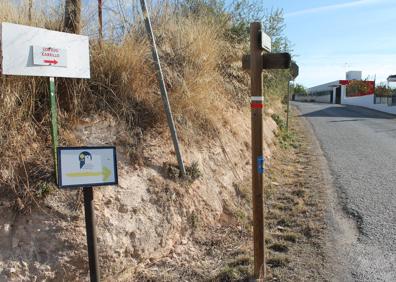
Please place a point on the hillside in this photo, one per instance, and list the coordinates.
(152, 215)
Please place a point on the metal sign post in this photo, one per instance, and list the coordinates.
(54, 125)
(294, 70)
(90, 228)
(87, 167)
(164, 93)
(288, 105)
(256, 62)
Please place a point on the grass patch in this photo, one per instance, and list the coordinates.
(173, 172)
(287, 138)
(228, 274)
(299, 193)
(279, 247)
(43, 189)
(278, 261)
(290, 237)
(285, 222)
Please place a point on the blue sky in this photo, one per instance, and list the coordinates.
(331, 37)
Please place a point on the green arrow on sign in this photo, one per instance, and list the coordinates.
(105, 172)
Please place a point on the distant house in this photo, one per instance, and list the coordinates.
(391, 78)
(335, 92)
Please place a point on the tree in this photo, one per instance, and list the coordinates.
(383, 90)
(72, 23)
(300, 89)
(100, 19)
(30, 8)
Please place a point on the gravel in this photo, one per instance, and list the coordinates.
(360, 147)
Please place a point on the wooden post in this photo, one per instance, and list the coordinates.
(257, 103)
(255, 62)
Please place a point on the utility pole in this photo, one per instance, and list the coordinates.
(164, 93)
(255, 63)
(294, 70)
(288, 105)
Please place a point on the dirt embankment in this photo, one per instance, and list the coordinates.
(150, 217)
(155, 227)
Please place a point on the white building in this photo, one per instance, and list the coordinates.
(335, 92)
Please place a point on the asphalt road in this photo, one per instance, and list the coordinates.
(360, 147)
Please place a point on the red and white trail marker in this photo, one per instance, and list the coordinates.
(257, 102)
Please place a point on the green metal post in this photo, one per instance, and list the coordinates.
(54, 125)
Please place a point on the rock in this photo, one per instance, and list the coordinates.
(14, 242)
(123, 208)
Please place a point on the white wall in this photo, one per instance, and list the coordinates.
(323, 98)
(312, 98)
(323, 87)
(367, 101)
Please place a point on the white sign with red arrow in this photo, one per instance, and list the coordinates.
(32, 51)
(49, 56)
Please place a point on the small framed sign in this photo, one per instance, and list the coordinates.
(87, 166)
(294, 70)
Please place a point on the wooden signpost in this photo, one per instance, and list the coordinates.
(256, 62)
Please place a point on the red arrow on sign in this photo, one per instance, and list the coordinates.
(54, 62)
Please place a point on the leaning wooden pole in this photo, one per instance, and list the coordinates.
(164, 93)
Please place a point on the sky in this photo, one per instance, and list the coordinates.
(330, 37)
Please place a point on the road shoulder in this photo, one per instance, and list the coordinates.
(341, 230)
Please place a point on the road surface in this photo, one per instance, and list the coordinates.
(360, 147)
